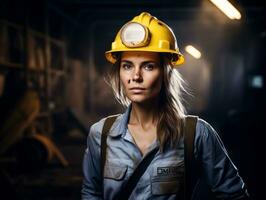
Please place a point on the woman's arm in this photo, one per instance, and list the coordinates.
(217, 168)
(91, 187)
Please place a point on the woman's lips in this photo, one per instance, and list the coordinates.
(137, 89)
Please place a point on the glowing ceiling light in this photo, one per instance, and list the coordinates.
(227, 8)
(193, 51)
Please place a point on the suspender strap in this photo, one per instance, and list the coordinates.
(190, 130)
(126, 191)
(106, 128)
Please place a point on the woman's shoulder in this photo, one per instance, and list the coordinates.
(97, 127)
(203, 128)
(205, 133)
(201, 125)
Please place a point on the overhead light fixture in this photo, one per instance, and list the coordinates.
(256, 81)
(227, 8)
(193, 51)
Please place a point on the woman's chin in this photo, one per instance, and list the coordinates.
(140, 100)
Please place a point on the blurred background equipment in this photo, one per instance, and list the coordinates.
(20, 117)
(52, 86)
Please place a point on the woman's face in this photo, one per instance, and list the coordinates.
(141, 75)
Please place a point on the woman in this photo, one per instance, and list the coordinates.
(143, 78)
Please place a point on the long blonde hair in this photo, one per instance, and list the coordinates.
(172, 110)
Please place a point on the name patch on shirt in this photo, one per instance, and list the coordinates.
(168, 171)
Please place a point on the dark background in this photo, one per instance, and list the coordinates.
(56, 48)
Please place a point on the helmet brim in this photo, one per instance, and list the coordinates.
(179, 60)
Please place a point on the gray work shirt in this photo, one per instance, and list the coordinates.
(163, 177)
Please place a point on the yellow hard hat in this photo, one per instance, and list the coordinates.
(146, 33)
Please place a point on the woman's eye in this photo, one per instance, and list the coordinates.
(126, 66)
(149, 67)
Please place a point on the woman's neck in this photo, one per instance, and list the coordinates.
(145, 115)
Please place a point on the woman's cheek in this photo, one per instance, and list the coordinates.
(156, 85)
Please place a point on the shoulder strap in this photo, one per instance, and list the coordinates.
(189, 137)
(106, 128)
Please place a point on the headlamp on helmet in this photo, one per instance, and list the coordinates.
(134, 34)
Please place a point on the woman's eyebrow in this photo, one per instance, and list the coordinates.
(142, 63)
(149, 62)
(126, 61)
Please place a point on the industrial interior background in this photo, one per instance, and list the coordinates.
(52, 86)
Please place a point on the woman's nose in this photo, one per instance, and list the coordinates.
(137, 76)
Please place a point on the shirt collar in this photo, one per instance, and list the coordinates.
(120, 126)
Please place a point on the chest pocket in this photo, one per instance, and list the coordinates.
(167, 179)
(115, 172)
